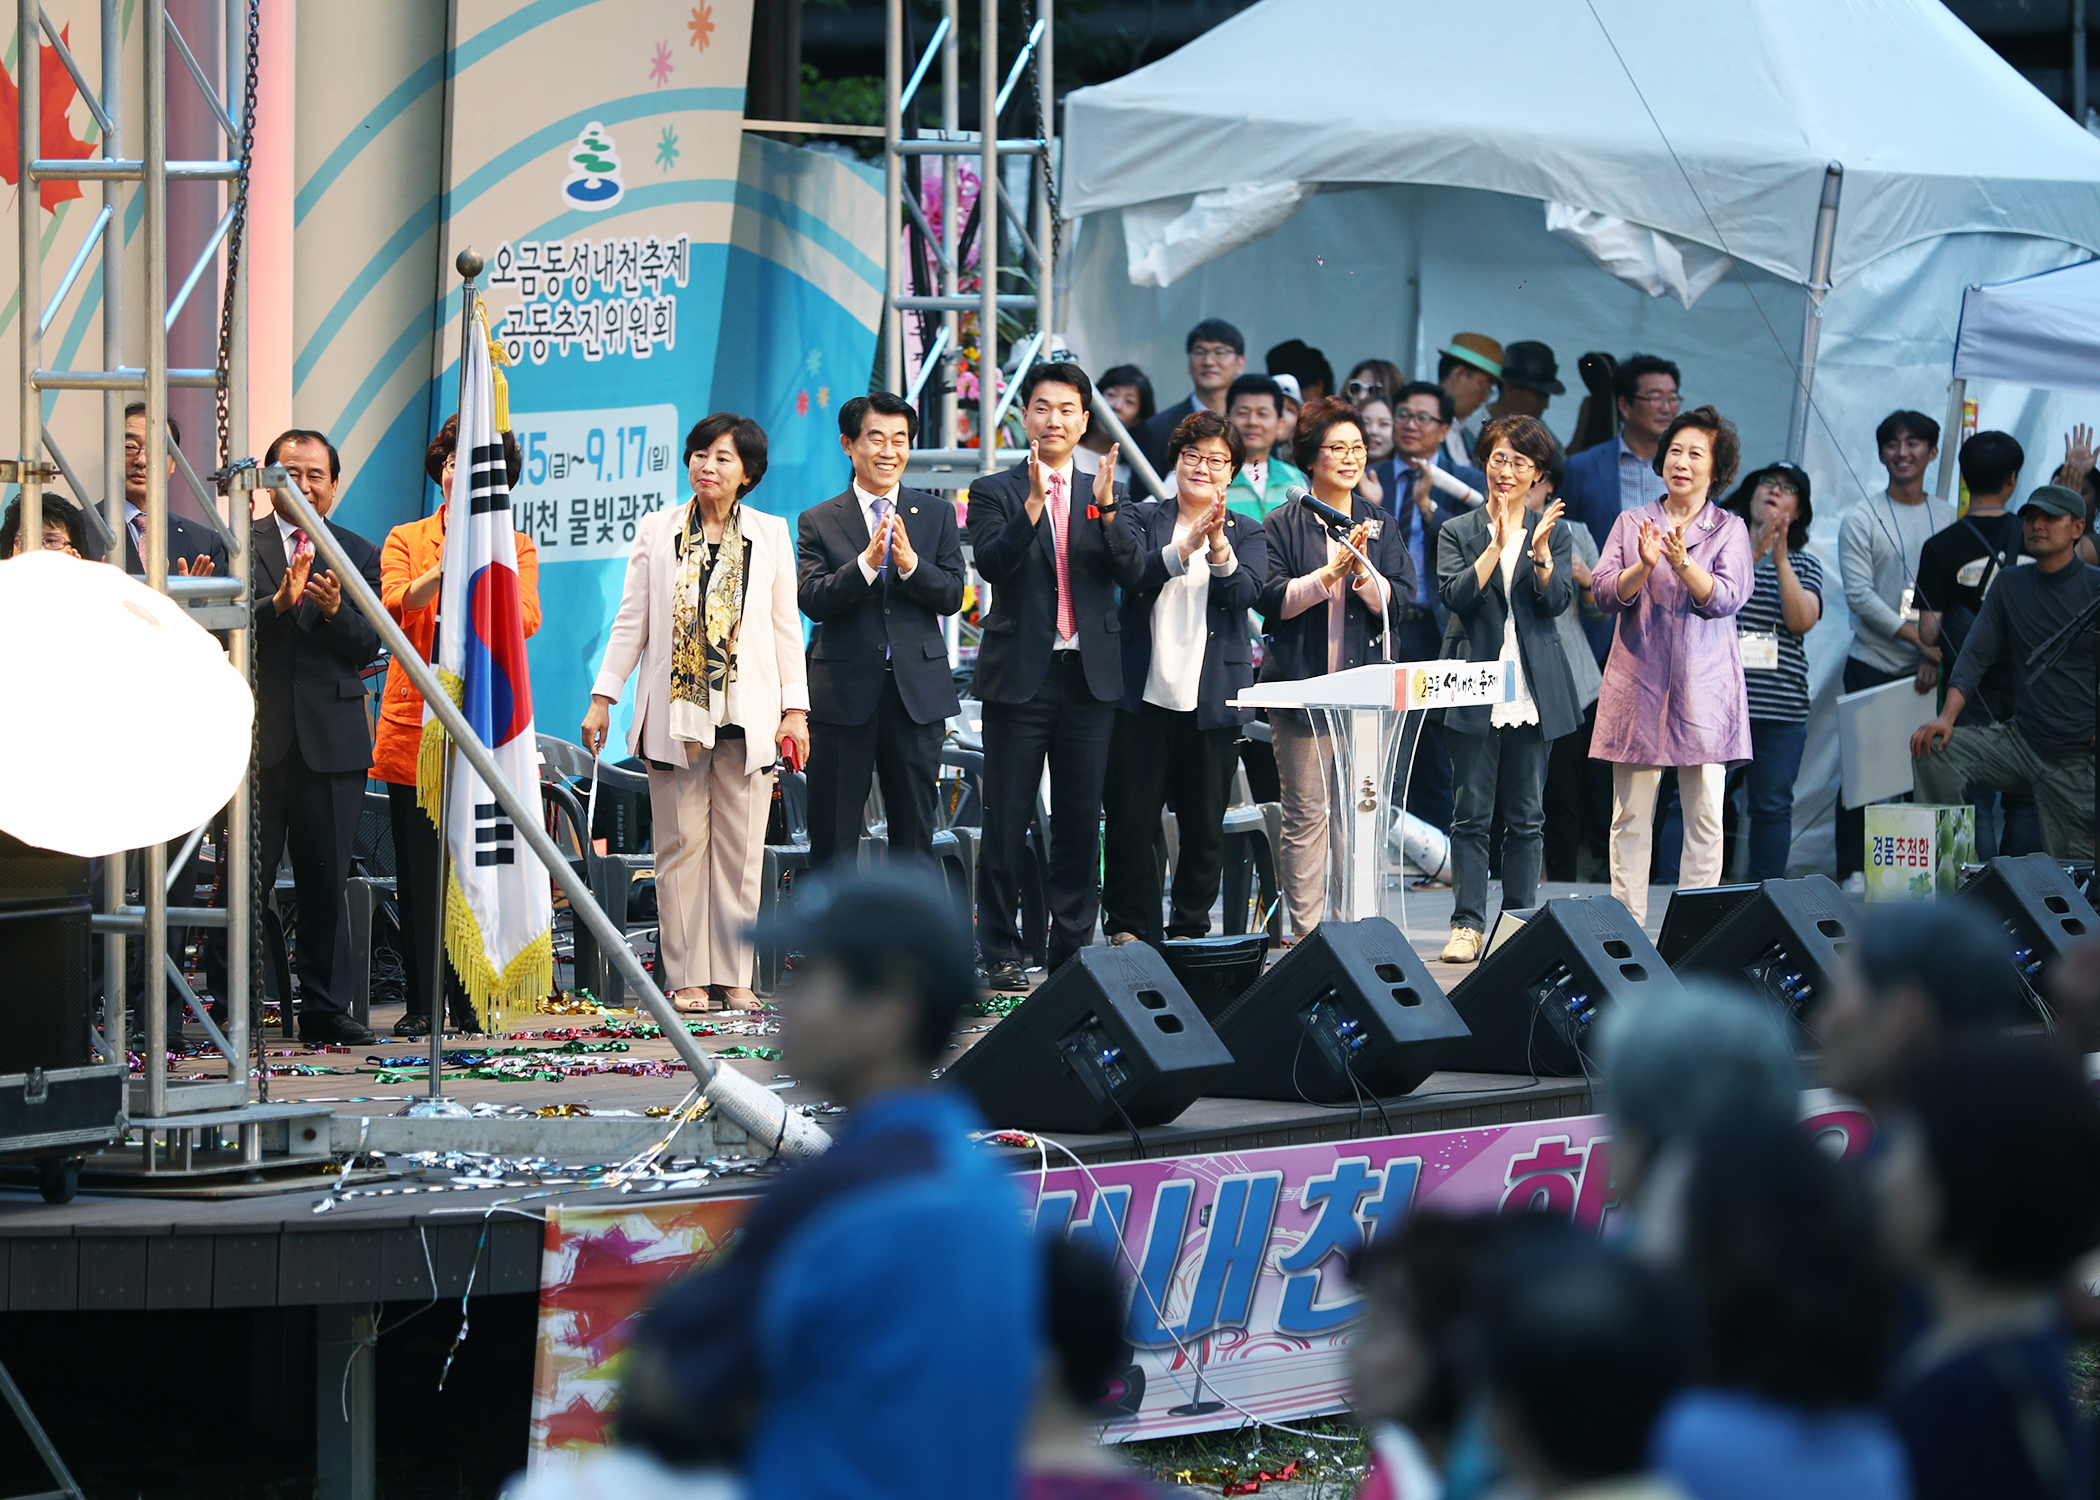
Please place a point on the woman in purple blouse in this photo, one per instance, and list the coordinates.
(1675, 572)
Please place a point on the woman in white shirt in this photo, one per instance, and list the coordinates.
(709, 615)
(1187, 652)
(1505, 576)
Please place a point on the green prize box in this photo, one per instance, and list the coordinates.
(1915, 850)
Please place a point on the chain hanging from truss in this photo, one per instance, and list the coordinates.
(233, 244)
(1053, 232)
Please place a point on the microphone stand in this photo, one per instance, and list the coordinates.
(1385, 589)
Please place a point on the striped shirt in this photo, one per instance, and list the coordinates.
(1780, 694)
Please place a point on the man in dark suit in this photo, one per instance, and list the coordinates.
(313, 739)
(194, 549)
(877, 567)
(1050, 666)
(1217, 357)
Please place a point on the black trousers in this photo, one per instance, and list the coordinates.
(1852, 821)
(890, 745)
(1067, 727)
(315, 814)
(1162, 759)
(416, 852)
(1578, 806)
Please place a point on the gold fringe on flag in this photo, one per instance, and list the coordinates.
(430, 753)
(524, 981)
(497, 384)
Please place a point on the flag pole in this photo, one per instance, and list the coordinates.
(469, 266)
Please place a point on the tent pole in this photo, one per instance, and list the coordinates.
(2078, 80)
(1812, 314)
(1950, 434)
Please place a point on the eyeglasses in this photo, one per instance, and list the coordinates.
(1216, 463)
(1659, 398)
(1407, 417)
(1509, 463)
(1360, 390)
(1343, 452)
(1214, 351)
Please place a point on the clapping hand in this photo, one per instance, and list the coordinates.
(198, 567)
(1650, 543)
(2078, 453)
(292, 587)
(878, 545)
(1674, 546)
(1038, 482)
(1369, 487)
(1542, 536)
(901, 552)
(1105, 480)
(1214, 524)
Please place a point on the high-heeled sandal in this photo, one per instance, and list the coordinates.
(698, 1004)
(727, 996)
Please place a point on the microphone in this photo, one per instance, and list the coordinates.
(1298, 494)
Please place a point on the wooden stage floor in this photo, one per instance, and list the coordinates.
(264, 1243)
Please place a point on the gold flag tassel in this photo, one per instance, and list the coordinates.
(524, 980)
(497, 360)
(430, 753)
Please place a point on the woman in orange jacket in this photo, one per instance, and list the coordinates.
(411, 576)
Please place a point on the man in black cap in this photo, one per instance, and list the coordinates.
(2047, 745)
(883, 1287)
(1530, 381)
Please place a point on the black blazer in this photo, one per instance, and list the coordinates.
(1228, 653)
(307, 688)
(1019, 561)
(1297, 545)
(1479, 614)
(186, 539)
(1156, 431)
(856, 621)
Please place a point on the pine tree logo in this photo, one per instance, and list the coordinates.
(593, 183)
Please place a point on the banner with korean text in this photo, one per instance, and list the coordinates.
(1239, 1305)
(591, 158)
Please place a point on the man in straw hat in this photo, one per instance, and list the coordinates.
(1468, 368)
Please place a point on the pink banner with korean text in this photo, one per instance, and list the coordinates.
(1239, 1303)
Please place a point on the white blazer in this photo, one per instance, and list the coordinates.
(771, 676)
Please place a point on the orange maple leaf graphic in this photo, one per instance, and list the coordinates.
(58, 143)
(702, 26)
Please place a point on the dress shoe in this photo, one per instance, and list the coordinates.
(335, 1029)
(1007, 976)
(1464, 947)
(412, 1026)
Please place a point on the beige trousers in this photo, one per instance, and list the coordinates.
(1633, 789)
(1301, 774)
(709, 821)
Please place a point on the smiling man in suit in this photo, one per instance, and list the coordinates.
(1050, 668)
(313, 740)
(876, 569)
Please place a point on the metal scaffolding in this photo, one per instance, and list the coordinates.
(1016, 244)
(156, 1102)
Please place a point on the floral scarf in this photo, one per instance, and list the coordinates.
(705, 616)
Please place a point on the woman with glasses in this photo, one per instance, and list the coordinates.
(1186, 656)
(1372, 380)
(64, 530)
(1675, 572)
(1322, 611)
(1506, 576)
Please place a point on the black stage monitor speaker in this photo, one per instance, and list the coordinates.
(1349, 1011)
(2039, 906)
(1216, 970)
(1784, 941)
(1692, 914)
(1111, 1040)
(44, 908)
(1535, 999)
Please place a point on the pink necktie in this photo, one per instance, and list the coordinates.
(1061, 534)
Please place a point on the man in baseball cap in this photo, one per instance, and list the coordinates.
(878, 1289)
(1467, 368)
(2047, 745)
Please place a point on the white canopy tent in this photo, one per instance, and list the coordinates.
(2039, 331)
(1381, 174)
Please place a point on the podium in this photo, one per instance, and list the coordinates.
(1359, 717)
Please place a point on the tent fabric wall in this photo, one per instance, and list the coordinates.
(2043, 330)
(1395, 271)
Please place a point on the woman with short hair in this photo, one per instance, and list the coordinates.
(1675, 572)
(64, 529)
(1186, 656)
(1506, 577)
(709, 615)
(1322, 611)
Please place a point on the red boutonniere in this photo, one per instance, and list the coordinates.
(1093, 512)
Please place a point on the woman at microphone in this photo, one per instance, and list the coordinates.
(1506, 577)
(1322, 611)
(1675, 572)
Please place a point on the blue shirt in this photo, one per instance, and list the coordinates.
(896, 1326)
(1730, 1445)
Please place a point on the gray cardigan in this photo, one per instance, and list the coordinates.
(1479, 612)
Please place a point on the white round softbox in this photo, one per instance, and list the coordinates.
(127, 726)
